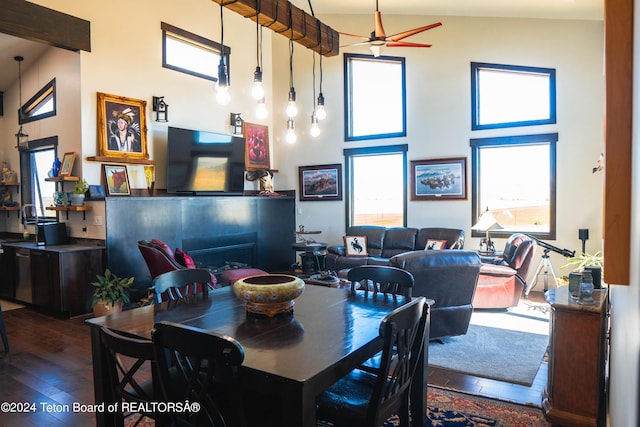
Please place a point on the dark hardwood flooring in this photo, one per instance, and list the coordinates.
(50, 363)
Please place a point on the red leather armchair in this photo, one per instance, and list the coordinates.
(159, 257)
(503, 279)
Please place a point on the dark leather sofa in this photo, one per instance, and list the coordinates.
(449, 277)
(384, 243)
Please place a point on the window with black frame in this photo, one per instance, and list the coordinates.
(35, 163)
(375, 99)
(514, 178)
(511, 95)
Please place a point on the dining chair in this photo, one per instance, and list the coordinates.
(179, 284)
(199, 366)
(3, 332)
(363, 398)
(130, 371)
(381, 278)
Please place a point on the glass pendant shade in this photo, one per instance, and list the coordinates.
(315, 128)
(222, 87)
(292, 109)
(321, 113)
(291, 132)
(257, 91)
(261, 110)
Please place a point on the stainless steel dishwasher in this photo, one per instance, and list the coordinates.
(23, 282)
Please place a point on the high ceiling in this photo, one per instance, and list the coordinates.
(549, 9)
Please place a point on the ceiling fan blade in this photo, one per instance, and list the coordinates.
(354, 35)
(356, 44)
(379, 31)
(406, 44)
(405, 34)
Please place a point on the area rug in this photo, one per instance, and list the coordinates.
(500, 354)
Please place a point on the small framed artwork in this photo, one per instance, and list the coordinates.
(122, 127)
(96, 192)
(355, 245)
(67, 164)
(116, 180)
(257, 147)
(439, 179)
(322, 182)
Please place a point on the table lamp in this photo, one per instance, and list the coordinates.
(486, 223)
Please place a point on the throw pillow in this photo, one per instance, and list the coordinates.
(355, 245)
(162, 245)
(435, 245)
(184, 259)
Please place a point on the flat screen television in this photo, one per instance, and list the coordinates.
(200, 162)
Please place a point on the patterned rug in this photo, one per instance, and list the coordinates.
(446, 408)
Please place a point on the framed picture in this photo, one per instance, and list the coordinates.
(122, 127)
(355, 245)
(67, 164)
(116, 180)
(439, 179)
(96, 192)
(322, 182)
(257, 147)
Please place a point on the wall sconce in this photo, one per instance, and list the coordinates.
(236, 123)
(161, 109)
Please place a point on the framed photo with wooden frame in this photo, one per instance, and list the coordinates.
(67, 164)
(116, 180)
(256, 154)
(439, 179)
(122, 127)
(321, 182)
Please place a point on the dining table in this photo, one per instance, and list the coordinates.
(290, 359)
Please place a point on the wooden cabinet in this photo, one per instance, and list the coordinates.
(7, 281)
(61, 276)
(575, 392)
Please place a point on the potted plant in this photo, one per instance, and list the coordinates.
(589, 262)
(81, 187)
(111, 291)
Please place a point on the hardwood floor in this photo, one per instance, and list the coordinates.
(50, 363)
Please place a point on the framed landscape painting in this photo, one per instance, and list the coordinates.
(439, 179)
(321, 182)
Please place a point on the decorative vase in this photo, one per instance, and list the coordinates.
(269, 294)
(58, 198)
(77, 199)
(596, 274)
(103, 308)
(55, 169)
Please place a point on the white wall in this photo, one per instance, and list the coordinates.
(439, 113)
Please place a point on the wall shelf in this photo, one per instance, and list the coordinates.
(66, 209)
(108, 159)
(63, 179)
(15, 184)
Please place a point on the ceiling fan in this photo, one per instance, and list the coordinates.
(379, 38)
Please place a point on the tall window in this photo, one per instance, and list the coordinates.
(510, 95)
(375, 104)
(376, 186)
(515, 179)
(35, 164)
(191, 54)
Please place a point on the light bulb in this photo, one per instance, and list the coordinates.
(291, 132)
(257, 91)
(292, 109)
(321, 113)
(222, 95)
(315, 128)
(261, 110)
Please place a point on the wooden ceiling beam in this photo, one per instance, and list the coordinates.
(292, 22)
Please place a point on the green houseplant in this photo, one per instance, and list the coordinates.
(109, 293)
(81, 187)
(591, 262)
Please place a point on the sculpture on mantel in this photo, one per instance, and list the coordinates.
(266, 181)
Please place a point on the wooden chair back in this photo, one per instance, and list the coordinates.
(179, 284)
(381, 279)
(199, 366)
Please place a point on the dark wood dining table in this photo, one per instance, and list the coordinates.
(291, 359)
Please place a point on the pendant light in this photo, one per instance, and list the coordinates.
(257, 91)
(292, 109)
(222, 87)
(22, 138)
(291, 131)
(315, 128)
(321, 113)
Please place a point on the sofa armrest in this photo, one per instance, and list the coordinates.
(497, 270)
(338, 250)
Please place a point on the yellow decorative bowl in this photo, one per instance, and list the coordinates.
(269, 294)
